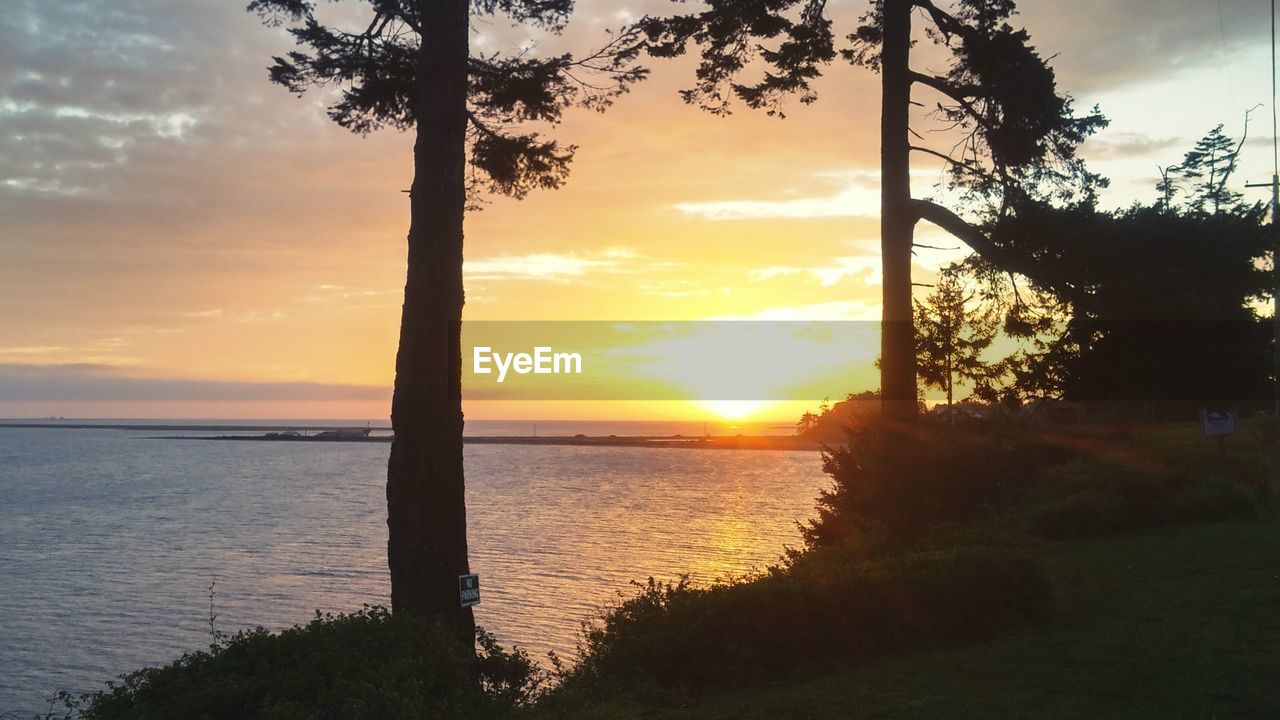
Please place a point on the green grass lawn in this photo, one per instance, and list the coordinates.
(1177, 622)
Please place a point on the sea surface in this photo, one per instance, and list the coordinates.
(110, 540)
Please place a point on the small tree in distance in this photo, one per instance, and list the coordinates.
(952, 333)
(1203, 174)
(410, 67)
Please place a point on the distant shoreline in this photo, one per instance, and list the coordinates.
(153, 427)
(733, 442)
(683, 442)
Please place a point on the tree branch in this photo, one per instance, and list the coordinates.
(480, 125)
(974, 169)
(946, 22)
(962, 94)
(970, 235)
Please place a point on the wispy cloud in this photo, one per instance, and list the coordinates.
(866, 266)
(858, 196)
(104, 352)
(1127, 145)
(549, 266)
(28, 350)
(250, 316)
(828, 311)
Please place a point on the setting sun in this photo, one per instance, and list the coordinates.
(736, 409)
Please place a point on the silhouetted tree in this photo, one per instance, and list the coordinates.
(1017, 135)
(1158, 307)
(1203, 175)
(1151, 307)
(953, 331)
(832, 422)
(410, 67)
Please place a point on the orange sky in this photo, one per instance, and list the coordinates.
(172, 223)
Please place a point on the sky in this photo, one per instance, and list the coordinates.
(180, 238)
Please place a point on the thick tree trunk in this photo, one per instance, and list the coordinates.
(426, 507)
(897, 223)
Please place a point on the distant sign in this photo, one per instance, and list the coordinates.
(1218, 423)
(469, 589)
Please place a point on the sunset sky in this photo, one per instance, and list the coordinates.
(180, 238)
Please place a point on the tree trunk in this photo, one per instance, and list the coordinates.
(950, 373)
(897, 223)
(426, 506)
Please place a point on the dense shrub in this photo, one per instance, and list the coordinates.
(366, 665)
(952, 474)
(1214, 500)
(1087, 512)
(1136, 485)
(822, 609)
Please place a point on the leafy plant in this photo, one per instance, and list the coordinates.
(366, 665)
(819, 611)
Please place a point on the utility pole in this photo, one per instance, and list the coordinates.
(1275, 215)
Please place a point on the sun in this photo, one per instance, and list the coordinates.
(735, 409)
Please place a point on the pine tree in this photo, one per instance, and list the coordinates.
(953, 330)
(1203, 175)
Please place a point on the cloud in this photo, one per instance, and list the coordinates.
(548, 266)
(858, 197)
(99, 383)
(829, 311)
(29, 350)
(1128, 145)
(849, 194)
(89, 88)
(1104, 44)
(104, 352)
(867, 266)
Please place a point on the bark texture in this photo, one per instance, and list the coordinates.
(897, 222)
(426, 507)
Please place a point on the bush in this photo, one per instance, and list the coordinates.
(819, 611)
(1214, 500)
(952, 474)
(1087, 512)
(1135, 487)
(369, 664)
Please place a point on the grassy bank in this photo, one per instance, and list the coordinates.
(1175, 622)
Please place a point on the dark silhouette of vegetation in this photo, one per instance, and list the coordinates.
(1150, 309)
(955, 475)
(934, 553)
(411, 68)
(1145, 626)
(821, 610)
(1053, 481)
(953, 331)
(369, 665)
(1145, 480)
(1015, 135)
(830, 423)
(1202, 176)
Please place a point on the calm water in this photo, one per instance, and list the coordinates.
(109, 541)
